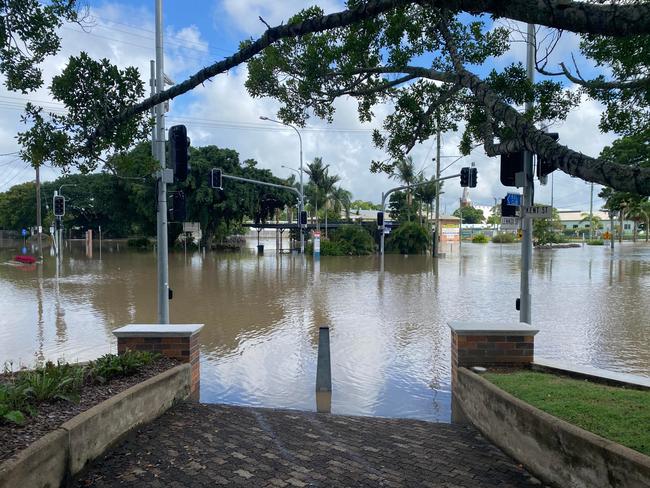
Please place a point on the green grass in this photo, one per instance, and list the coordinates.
(619, 414)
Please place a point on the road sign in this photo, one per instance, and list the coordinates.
(537, 212)
(513, 199)
(24, 232)
(510, 223)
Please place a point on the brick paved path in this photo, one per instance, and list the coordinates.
(196, 445)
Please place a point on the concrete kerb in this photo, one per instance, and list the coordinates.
(554, 450)
(63, 453)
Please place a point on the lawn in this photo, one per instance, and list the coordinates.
(619, 414)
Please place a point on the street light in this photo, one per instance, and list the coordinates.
(66, 184)
(302, 192)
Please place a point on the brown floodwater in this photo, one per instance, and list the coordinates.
(389, 333)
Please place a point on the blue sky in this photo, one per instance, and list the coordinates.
(199, 32)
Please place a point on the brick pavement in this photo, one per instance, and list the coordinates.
(199, 445)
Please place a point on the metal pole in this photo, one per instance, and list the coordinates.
(591, 214)
(611, 229)
(529, 191)
(302, 197)
(436, 241)
(161, 234)
(381, 238)
(38, 211)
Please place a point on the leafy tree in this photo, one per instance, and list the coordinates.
(408, 238)
(470, 215)
(342, 199)
(495, 218)
(425, 194)
(546, 231)
(375, 51)
(363, 205)
(353, 240)
(399, 208)
(28, 35)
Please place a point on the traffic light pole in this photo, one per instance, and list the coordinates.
(529, 192)
(398, 188)
(159, 153)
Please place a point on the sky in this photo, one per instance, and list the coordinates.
(222, 113)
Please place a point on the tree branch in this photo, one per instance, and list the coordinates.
(582, 17)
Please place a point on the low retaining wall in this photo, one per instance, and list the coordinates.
(554, 450)
(65, 451)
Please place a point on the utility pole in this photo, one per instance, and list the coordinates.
(436, 240)
(529, 196)
(38, 211)
(159, 144)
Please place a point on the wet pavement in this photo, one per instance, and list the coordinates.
(196, 445)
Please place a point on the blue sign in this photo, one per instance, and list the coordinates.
(23, 250)
(24, 232)
(513, 199)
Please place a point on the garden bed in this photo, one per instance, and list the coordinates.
(48, 415)
(615, 413)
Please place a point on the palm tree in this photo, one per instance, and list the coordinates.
(342, 199)
(404, 171)
(317, 172)
(328, 190)
(594, 222)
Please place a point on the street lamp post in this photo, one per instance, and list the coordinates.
(302, 193)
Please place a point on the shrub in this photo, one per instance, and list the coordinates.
(21, 393)
(596, 242)
(408, 238)
(353, 240)
(140, 243)
(480, 239)
(504, 238)
(112, 366)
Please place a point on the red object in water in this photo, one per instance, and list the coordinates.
(25, 259)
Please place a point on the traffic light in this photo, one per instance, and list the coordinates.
(380, 219)
(216, 178)
(545, 167)
(473, 176)
(178, 210)
(59, 205)
(507, 210)
(511, 164)
(179, 146)
(464, 177)
(303, 218)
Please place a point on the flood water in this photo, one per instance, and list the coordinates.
(389, 335)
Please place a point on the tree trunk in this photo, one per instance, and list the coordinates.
(326, 209)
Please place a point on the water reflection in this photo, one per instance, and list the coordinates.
(390, 341)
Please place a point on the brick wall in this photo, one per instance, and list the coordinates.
(182, 348)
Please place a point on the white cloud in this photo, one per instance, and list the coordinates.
(245, 13)
(222, 112)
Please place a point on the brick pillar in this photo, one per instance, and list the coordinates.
(176, 341)
(491, 345)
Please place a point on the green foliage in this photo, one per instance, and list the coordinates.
(612, 412)
(53, 381)
(470, 215)
(140, 243)
(22, 392)
(363, 205)
(504, 238)
(480, 239)
(399, 208)
(548, 231)
(408, 238)
(28, 35)
(92, 91)
(111, 366)
(596, 242)
(353, 240)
